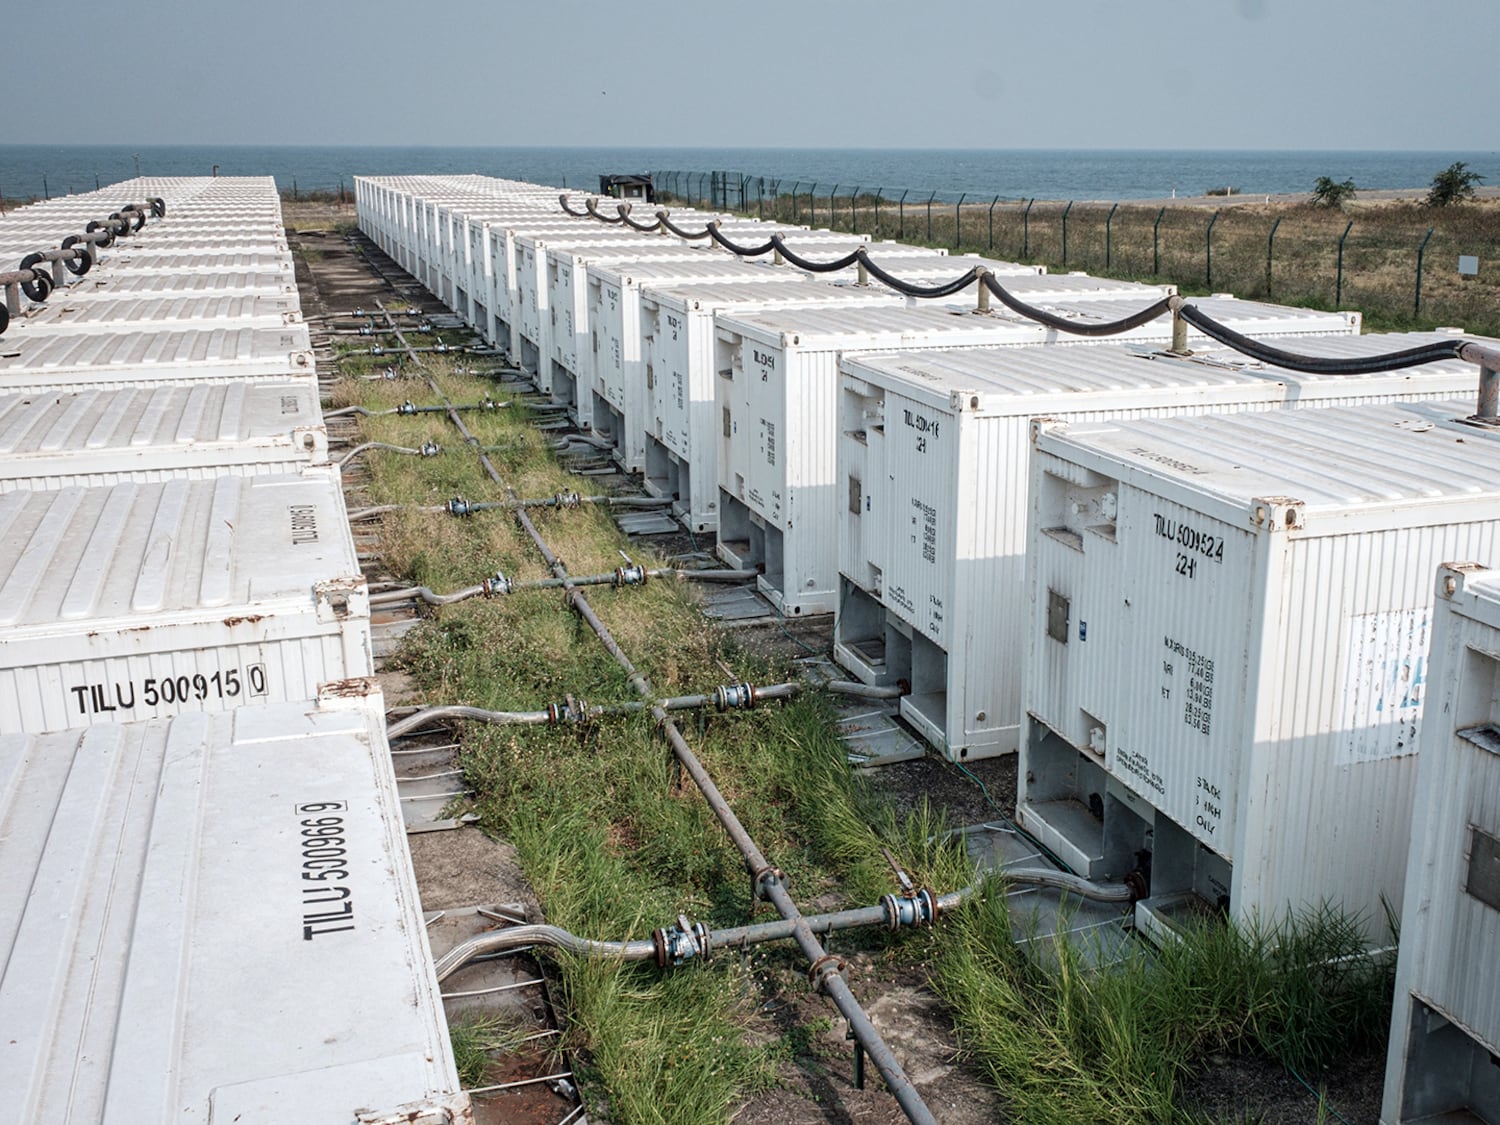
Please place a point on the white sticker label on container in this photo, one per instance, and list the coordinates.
(1384, 682)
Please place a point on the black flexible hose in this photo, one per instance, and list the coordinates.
(679, 232)
(733, 248)
(947, 289)
(563, 199)
(809, 265)
(1319, 365)
(85, 259)
(593, 210)
(1063, 324)
(644, 228)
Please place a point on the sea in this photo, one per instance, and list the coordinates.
(39, 171)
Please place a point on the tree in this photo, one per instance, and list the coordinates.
(1454, 184)
(1328, 193)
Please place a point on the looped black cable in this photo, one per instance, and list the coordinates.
(929, 292)
(563, 200)
(815, 267)
(39, 288)
(592, 205)
(679, 232)
(85, 259)
(644, 228)
(1320, 365)
(1073, 327)
(108, 229)
(742, 251)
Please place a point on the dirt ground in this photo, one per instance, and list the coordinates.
(464, 866)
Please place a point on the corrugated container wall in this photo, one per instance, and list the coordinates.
(1445, 1028)
(144, 600)
(1229, 625)
(933, 456)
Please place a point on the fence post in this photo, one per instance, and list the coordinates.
(877, 211)
(1026, 229)
(1156, 243)
(901, 211)
(795, 185)
(1338, 285)
(760, 197)
(1270, 244)
(1416, 309)
(1066, 209)
(1108, 236)
(853, 218)
(1208, 256)
(958, 220)
(930, 198)
(992, 221)
(46, 192)
(832, 222)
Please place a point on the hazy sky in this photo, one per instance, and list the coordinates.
(1374, 74)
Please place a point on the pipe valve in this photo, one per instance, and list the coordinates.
(679, 944)
(429, 448)
(570, 710)
(499, 584)
(628, 575)
(566, 500)
(918, 908)
(407, 407)
(734, 697)
(458, 506)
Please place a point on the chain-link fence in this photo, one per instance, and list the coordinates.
(1404, 265)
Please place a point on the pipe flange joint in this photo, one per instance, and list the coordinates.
(376, 349)
(367, 330)
(632, 575)
(458, 506)
(442, 349)
(424, 326)
(820, 970)
(429, 448)
(407, 407)
(761, 880)
(734, 697)
(1136, 881)
(566, 500)
(677, 945)
(487, 403)
(920, 908)
(497, 585)
(570, 710)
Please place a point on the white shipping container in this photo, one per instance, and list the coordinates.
(933, 456)
(777, 396)
(621, 385)
(144, 600)
(95, 312)
(226, 283)
(1229, 623)
(52, 439)
(1445, 1029)
(160, 355)
(213, 918)
(571, 355)
(679, 355)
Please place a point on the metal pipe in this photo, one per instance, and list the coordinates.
(428, 449)
(499, 584)
(765, 879)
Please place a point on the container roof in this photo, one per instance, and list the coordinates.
(1005, 378)
(167, 950)
(131, 551)
(1335, 458)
